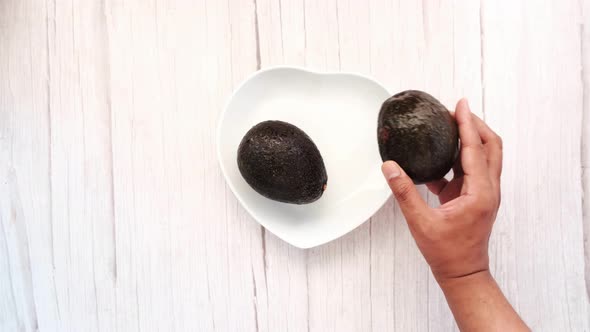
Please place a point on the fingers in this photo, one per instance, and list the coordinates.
(437, 186)
(457, 169)
(493, 147)
(473, 158)
(405, 192)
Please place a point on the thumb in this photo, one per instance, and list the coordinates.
(405, 192)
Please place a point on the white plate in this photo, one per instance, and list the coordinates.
(339, 112)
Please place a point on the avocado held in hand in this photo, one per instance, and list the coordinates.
(418, 132)
(282, 163)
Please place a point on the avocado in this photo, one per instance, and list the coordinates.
(279, 161)
(418, 132)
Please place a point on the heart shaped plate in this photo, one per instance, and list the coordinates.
(339, 112)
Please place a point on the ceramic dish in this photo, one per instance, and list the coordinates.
(339, 112)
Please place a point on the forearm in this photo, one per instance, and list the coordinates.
(478, 304)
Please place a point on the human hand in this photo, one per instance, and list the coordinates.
(454, 237)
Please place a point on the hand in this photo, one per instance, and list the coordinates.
(454, 237)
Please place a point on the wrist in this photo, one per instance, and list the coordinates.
(479, 304)
(476, 278)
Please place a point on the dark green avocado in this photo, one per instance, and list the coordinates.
(282, 163)
(418, 132)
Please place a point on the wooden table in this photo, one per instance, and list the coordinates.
(114, 215)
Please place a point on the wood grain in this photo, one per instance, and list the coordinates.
(27, 286)
(585, 55)
(114, 215)
(533, 97)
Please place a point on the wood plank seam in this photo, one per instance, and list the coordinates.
(110, 163)
(262, 229)
(257, 34)
(585, 144)
(48, 79)
(482, 58)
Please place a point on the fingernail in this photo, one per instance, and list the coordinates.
(467, 104)
(390, 170)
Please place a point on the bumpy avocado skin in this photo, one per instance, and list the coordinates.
(280, 162)
(418, 132)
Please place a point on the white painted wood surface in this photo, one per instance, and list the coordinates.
(585, 30)
(114, 215)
